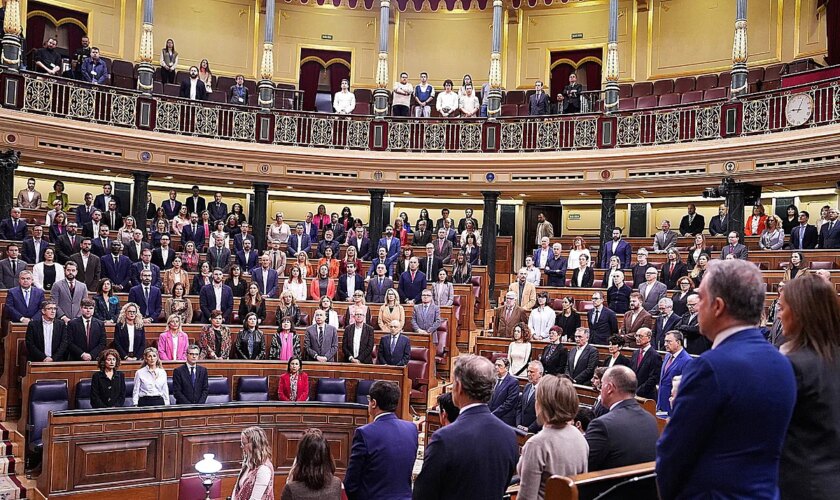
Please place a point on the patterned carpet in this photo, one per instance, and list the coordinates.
(11, 464)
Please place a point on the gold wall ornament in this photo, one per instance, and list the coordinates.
(382, 70)
(612, 62)
(267, 67)
(11, 23)
(147, 44)
(495, 70)
(739, 45)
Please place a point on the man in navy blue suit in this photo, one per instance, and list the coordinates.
(117, 267)
(13, 228)
(505, 398)
(830, 231)
(617, 247)
(101, 201)
(193, 232)
(665, 322)
(145, 264)
(248, 258)
(147, 297)
(390, 243)
(172, 206)
(298, 242)
(673, 365)
(23, 302)
(383, 452)
(412, 283)
(266, 278)
(310, 228)
(361, 243)
(735, 401)
(603, 323)
(475, 456)
(394, 349)
(804, 236)
(214, 296)
(218, 209)
(350, 283)
(33, 248)
(647, 364)
(243, 236)
(189, 381)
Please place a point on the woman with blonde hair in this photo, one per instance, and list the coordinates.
(126, 232)
(391, 310)
(256, 477)
(287, 309)
(773, 236)
(129, 335)
(559, 449)
(357, 304)
(302, 263)
(150, 387)
(699, 247)
(351, 256)
(173, 342)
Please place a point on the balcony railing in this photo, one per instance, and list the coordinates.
(752, 114)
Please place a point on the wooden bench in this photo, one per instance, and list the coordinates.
(590, 485)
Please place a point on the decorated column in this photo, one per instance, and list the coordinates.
(8, 164)
(608, 197)
(138, 202)
(380, 95)
(11, 36)
(258, 218)
(375, 221)
(611, 94)
(494, 100)
(266, 86)
(489, 228)
(739, 50)
(146, 70)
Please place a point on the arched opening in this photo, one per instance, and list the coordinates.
(321, 72)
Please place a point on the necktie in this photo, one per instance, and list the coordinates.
(87, 331)
(146, 296)
(393, 343)
(639, 361)
(274, 259)
(831, 226)
(116, 260)
(192, 375)
(320, 335)
(26, 297)
(732, 249)
(440, 247)
(671, 272)
(597, 315)
(72, 289)
(194, 230)
(498, 383)
(14, 266)
(668, 364)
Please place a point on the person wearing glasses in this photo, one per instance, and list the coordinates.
(189, 381)
(602, 320)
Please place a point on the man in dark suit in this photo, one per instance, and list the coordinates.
(830, 231)
(430, 265)
(145, 264)
(719, 224)
(444, 215)
(117, 268)
(450, 470)
(673, 269)
(171, 207)
(196, 203)
(804, 236)
(101, 243)
(692, 223)
(468, 217)
(215, 296)
(310, 228)
(13, 228)
(248, 258)
(243, 236)
(337, 228)
(526, 412)
(665, 322)
(147, 297)
(505, 398)
(68, 244)
(619, 248)
(378, 285)
(695, 343)
(218, 255)
(193, 232)
(86, 335)
(298, 242)
(321, 340)
(734, 248)
(88, 265)
(217, 209)
(603, 323)
(627, 434)
(91, 228)
(583, 359)
(34, 247)
(112, 216)
(189, 381)
(46, 338)
(734, 402)
(555, 266)
(193, 88)
(357, 343)
(362, 245)
(647, 364)
(570, 96)
(394, 349)
(412, 283)
(673, 365)
(328, 241)
(350, 283)
(266, 278)
(422, 234)
(23, 302)
(538, 101)
(101, 200)
(383, 452)
(85, 210)
(163, 255)
(11, 266)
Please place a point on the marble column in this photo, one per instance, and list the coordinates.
(8, 164)
(12, 30)
(739, 50)
(266, 86)
(489, 229)
(494, 99)
(381, 94)
(258, 218)
(611, 94)
(375, 222)
(735, 195)
(608, 197)
(138, 200)
(146, 69)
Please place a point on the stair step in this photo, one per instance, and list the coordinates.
(11, 487)
(9, 465)
(9, 448)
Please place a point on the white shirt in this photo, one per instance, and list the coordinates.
(533, 276)
(540, 321)
(217, 290)
(150, 383)
(344, 102)
(48, 336)
(129, 327)
(357, 340)
(544, 257)
(447, 100)
(469, 103)
(728, 333)
(193, 86)
(578, 353)
(351, 286)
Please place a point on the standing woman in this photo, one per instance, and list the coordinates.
(346, 219)
(179, 305)
(333, 264)
(106, 304)
(295, 284)
(175, 275)
(189, 259)
(107, 386)
(238, 212)
(287, 309)
(401, 232)
(150, 387)
(578, 248)
(129, 336)
(237, 285)
(424, 215)
(542, 317)
(250, 343)
(406, 224)
(322, 218)
(699, 270)
(519, 351)
(58, 226)
(391, 310)
(461, 270)
(698, 248)
(680, 297)
(797, 266)
(205, 75)
(773, 237)
(151, 209)
(471, 250)
(214, 339)
(256, 478)
(402, 262)
(252, 302)
(59, 194)
(313, 473)
(173, 342)
(278, 230)
(161, 227)
(46, 272)
(126, 232)
(756, 222)
(810, 316)
(443, 292)
(294, 384)
(325, 304)
(583, 276)
(285, 345)
(357, 305)
(322, 285)
(168, 62)
(351, 256)
(204, 277)
(791, 219)
(568, 320)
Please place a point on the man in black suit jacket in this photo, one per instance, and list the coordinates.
(450, 470)
(665, 322)
(692, 223)
(171, 207)
(101, 243)
(627, 434)
(378, 286)
(526, 413)
(193, 232)
(217, 209)
(365, 331)
(581, 367)
(647, 363)
(86, 335)
(344, 294)
(68, 244)
(13, 228)
(101, 200)
(538, 101)
(195, 203)
(719, 224)
(505, 398)
(571, 95)
(603, 323)
(362, 245)
(164, 254)
(394, 349)
(29, 244)
(112, 216)
(431, 265)
(830, 231)
(804, 236)
(134, 249)
(193, 88)
(689, 325)
(36, 350)
(11, 267)
(189, 381)
(422, 234)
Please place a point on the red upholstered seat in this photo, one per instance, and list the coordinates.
(662, 87)
(418, 372)
(669, 99)
(692, 96)
(819, 264)
(515, 97)
(642, 89)
(684, 84)
(362, 108)
(625, 90)
(626, 103)
(584, 305)
(363, 95)
(172, 89)
(510, 109)
(716, 93)
(523, 110)
(706, 82)
(725, 79)
(648, 101)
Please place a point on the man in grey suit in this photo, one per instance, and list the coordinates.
(378, 285)
(583, 359)
(321, 342)
(443, 247)
(88, 264)
(68, 293)
(219, 255)
(11, 267)
(737, 250)
(652, 290)
(665, 239)
(425, 318)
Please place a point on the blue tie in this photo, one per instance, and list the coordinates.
(192, 375)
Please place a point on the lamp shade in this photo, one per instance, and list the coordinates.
(209, 465)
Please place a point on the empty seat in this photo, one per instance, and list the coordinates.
(123, 82)
(171, 392)
(773, 72)
(224, 83)
(331, 390)
(510, 109)
(625, 90)
(82, 399)
(129, 392)
(584, 305)
(515, 97)
(754, 75)
(716, 93)
(648, 101)
(820, 264)
(157, 88)
(418, 372)
(218, 390)
(443, 338)
(706, 82)
(523, 110)
(692, 96)
(363, 95)
(642, 89)
(669, 99)
(122, 68)
(217, 96)
(323, 102)
(362, 391)
(725, 79)
(45, 396)
(252, 389)
(181, 76)
(626, 103)
(171, 89)
(362, 108)
(684, 84)
(662, 87)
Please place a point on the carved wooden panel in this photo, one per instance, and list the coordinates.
(225, 445)
(114, 461)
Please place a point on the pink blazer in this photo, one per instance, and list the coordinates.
(166, 348)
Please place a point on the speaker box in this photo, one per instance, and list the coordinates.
(638, 221)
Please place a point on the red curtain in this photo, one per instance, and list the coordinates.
(338, 63)
(38, 27)
(586, 60)
(309, 72)
(338, 72)
(832, 28)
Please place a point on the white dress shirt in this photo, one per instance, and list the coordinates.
(357, 341)
(48, 337)
(150, 383)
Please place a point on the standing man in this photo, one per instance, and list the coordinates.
(401, 99)
(804, 236)
(507, 316)
(350, 284)
(619, 248)
(570, 97)
(424, 94)
(196, 203)
(145, 264)
(647, 364)
(412, 283)
(34, 247)
(665, 322)
(394, 349)
(193, 88)
(298, 242)
(383, 452)
(719, 223)
(476, 437)
(147, 297)
(555, 266)
(193, 231)
(218, 209)
(737, 250)
(692, 223)
(422, 236)
(164, 255)
(635, 318)
(101, 201)
(505, 398)
(218, 255)
(86, 335)
(29, 198)
(189, 381)
(652, 290)
(68, 244)
(23, 302)
(675, 362)
(68, 294)
(689, 326)
(11, 266)
(357, 343)
(46, 338)
(117, 267)
(665, 239)
(526, 414)
(425, 318)
(525, 291)
(830, 231)
(430, 265)
(14, 228)
(266, 278)
(583, 359)
(216, 296)
(87, 264)
(443, 247)
(603, 322)
(389, 243)
(85, 210)
(47, 59)
(538, 101)
(734, 402)
(321, 341)
(544, 228)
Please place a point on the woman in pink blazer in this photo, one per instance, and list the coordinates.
(173, 342)
(294, 384)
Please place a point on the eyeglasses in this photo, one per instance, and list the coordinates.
(193, 353)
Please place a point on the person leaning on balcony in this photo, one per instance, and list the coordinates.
(238, 94)
(344, 102)
(193, 89)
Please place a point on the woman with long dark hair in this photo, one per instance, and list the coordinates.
(313, 473)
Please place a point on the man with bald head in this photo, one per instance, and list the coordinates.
(394, 349)
(321, 341)
(412, 283)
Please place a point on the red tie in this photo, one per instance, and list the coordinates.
(668, 364)
(87, 331)
(672, 268)
(639, 362)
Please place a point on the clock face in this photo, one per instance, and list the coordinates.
(799, 109)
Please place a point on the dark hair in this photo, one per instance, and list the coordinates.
(56, 184)
(289, 364)
(86, 302)
(584, 416)
(314, 464)
(795, 210)
(617, 340)
(813, 305)
(448, 82)
(447, 405)
(100, 361)
(183, 288)
(386, 395)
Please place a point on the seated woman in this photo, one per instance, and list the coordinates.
(519, 351)
(618, 294)
(106, 304)
(150, 387)
(252, 302)
(47, 272)
(173, 342)
(204, 277)
(357, 304)
(471, 250)
(313, 472)
(129, 336)
(294, 384)
(559, 449)
(250, 342)
(796, 267)
(295, 285)
(107, 386)
(583, 276)
(179, 305)
(542, 317)
(443, 293)
(696, 249)
(214, 340)
(333, 264)
(773, 236)
(287, 309)
(322, 285)
(174, 275)
(461, 271)
(680, 298)
(285, 345)
(391, 310)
